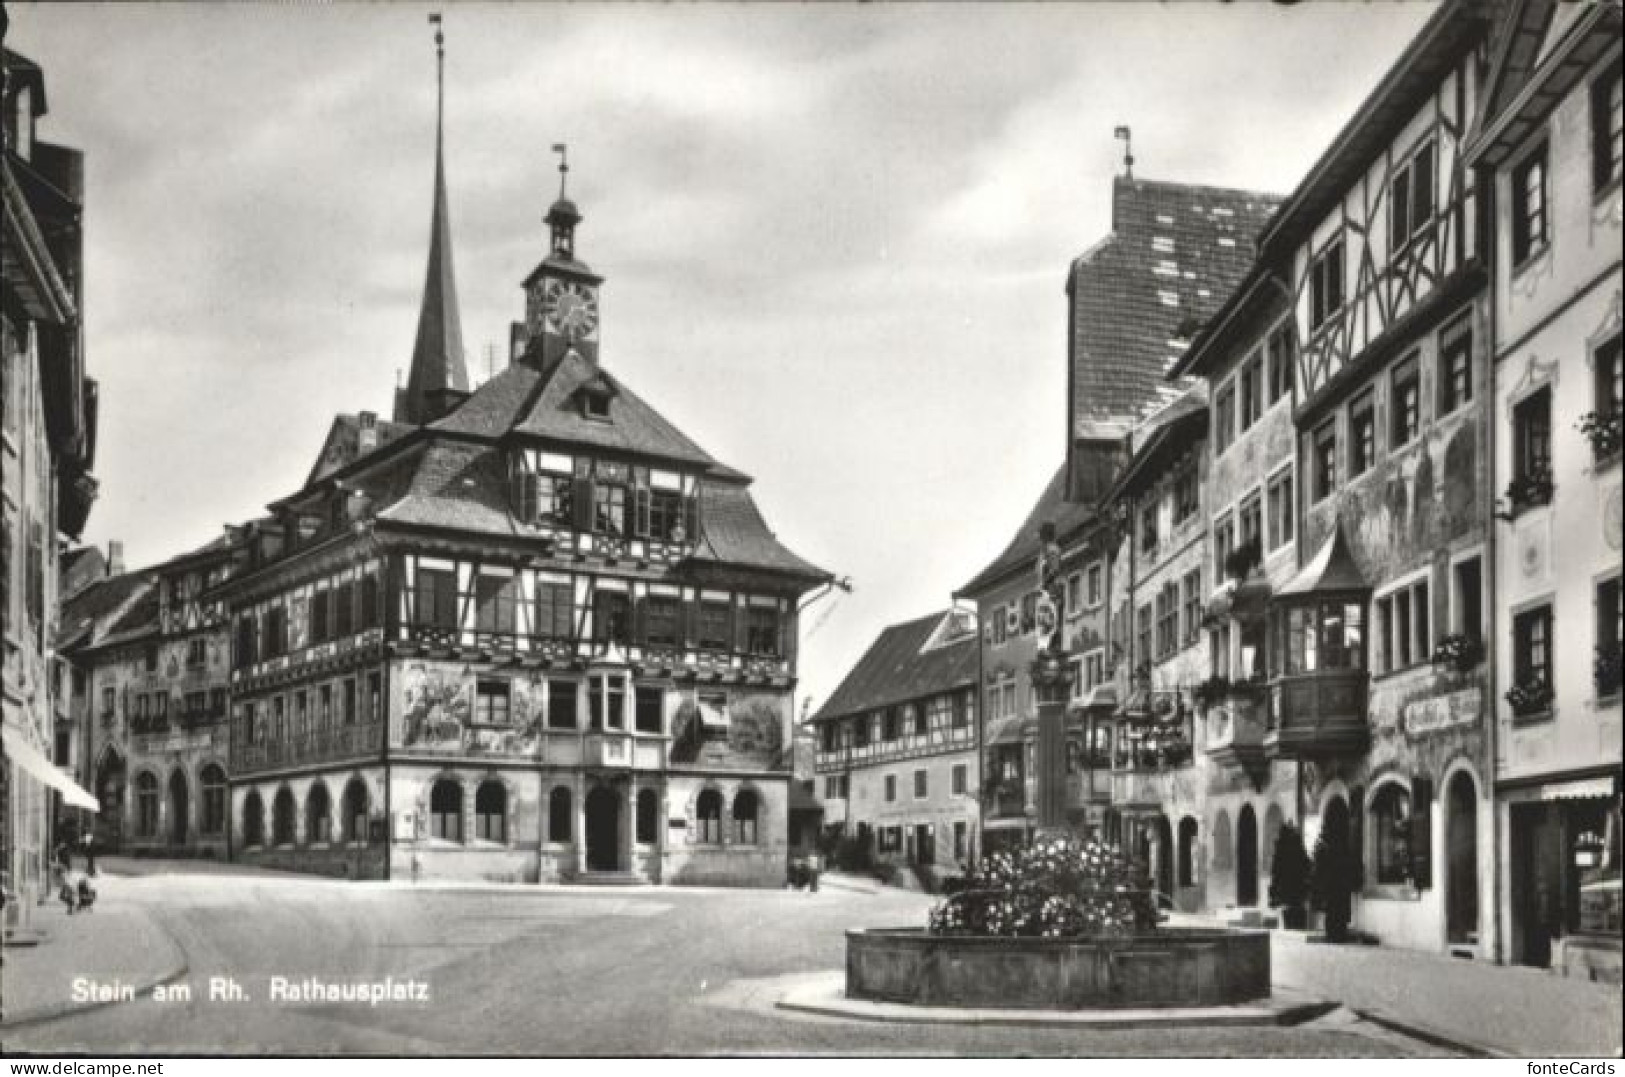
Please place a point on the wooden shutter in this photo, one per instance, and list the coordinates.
(1421, 832)
(640, 619)
(582, 495)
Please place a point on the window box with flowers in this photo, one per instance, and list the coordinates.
(1530, 698)
(1605, 431)
(1526, 492)
(1458, 653)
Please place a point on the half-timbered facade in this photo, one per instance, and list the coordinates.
(153, 650)
(1378, 688)
(896, 751)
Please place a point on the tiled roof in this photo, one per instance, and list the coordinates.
(1022, 551)
(732, 531)
(343, 444)
(86, 610)
(894, 670)
(1175, 253)
(526, 401)
(633, 426)
(139, 619)
(457, 485)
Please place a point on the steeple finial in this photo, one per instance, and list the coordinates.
(438, 372)
(563, 150)
(1127, 136)
(562, 216)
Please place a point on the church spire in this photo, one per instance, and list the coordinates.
(439, 378)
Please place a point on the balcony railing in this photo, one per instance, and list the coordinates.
(316, 746)
(1318, 714)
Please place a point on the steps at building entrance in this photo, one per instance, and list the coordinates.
(610, 878)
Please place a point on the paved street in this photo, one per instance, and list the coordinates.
(541, 971)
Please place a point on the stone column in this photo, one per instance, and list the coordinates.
(1051, 680)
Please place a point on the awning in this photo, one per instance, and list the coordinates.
(22, 754)
(1583, 790)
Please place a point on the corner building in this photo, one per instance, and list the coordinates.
(526, 633)
(1549, 141)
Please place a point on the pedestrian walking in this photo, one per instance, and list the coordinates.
(90, 853)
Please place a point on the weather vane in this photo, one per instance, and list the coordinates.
(1123, 133)
(564, 165)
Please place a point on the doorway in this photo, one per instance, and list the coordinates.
(179, 802)
(603, 830)
(1165, 857)
(1247, 857)
(1461, 852)
(110, 794)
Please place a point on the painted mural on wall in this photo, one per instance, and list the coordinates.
(437, 713)
(740, 729)
(1416, 504)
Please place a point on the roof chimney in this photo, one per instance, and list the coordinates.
(115, 557)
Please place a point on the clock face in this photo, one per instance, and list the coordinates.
(572, 311)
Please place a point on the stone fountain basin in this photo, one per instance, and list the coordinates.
(1172, 967)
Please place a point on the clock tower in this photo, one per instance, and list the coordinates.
(561, 294)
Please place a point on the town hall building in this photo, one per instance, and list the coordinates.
(525, 632)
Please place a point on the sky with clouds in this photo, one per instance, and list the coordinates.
(835, 236)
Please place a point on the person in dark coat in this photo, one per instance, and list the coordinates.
(89, 848)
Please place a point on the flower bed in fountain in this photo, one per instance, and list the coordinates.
(1059, 924)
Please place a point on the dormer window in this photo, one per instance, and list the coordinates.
(595, 405)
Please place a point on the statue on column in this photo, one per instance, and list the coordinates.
(1051, 679)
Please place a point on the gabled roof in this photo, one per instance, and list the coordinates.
(733, 532)
(1176, 436)
(343, 444)
(524, 401)
(93, 609)
(1022, 551)
(457, 485)
(895, 669)
(633, 426)
(1449, 34)
(1175, 253)
(1544, 55)
(140, 618)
